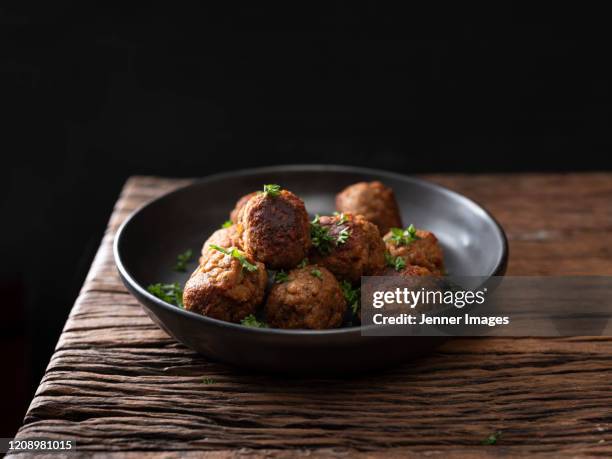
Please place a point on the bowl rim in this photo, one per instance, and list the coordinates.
(136, 288)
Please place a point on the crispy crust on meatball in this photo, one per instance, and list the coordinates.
(310, 298)
(363, 253)
(224, 237)
(222, 289)
(375, 201)
(425, 251)
(235, 213)
(276, 230)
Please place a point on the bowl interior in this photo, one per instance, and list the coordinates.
(473, 243)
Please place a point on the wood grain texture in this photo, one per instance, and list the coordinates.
(122, 388)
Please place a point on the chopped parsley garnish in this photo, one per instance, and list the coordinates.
(238, 255)
(208, 381)
(401, 236)
(182, 259)
(170, 293)
(398, 263)
(280, 277)
(227, 224)
(342, 218)
(303, 263)
(316, 273)
(271, 190)
(492, 439)
(343, 236)
(351, 295)
(321, 237)
(251, 321)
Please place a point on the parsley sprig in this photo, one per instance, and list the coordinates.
(321, 237)
(271, 190)
(492, 439)
(316, 273)
(170, 293)
(280, 277)
(238, 255)
(398, 263)
(251, 321)
(182, 259)
(406, 236)
(303, 263)
(342, 218)
(352, 296)
(343, 236)
(227, 224)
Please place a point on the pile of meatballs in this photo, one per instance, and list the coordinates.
(309, 261)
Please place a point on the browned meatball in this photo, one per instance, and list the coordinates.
(235, 214)
(421, 249)
(409, 271)
(221, 287)
(311, 297)
(412, 277)
(275, 229)
(224, 237)
(349, 246)
(375, 201)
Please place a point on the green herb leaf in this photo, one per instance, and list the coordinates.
(182, 259)
(303, 263)
(320, 237)
(316, 273)
(271, 190)
(251, 321)
(237, 254)
(492, 439)
(208, 381)
(280, 277)
(250, 267)
(406, 236)
(221, 249)
(343, 236)
(352, 296)
(397, 263)
(342, 218)
(170, 293)
(227, 224)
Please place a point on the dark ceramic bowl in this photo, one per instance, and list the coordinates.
(147, 243)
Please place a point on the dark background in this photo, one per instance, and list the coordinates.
(92, 95)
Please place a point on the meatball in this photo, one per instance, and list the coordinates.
(349, 246)
(416, 247)
(411, 277)
(224, 237)
(221, 287)
(235, 214)
(311, 297)
(375, 201)
(275, 229)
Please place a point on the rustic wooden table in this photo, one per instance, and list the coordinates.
(120, 386)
